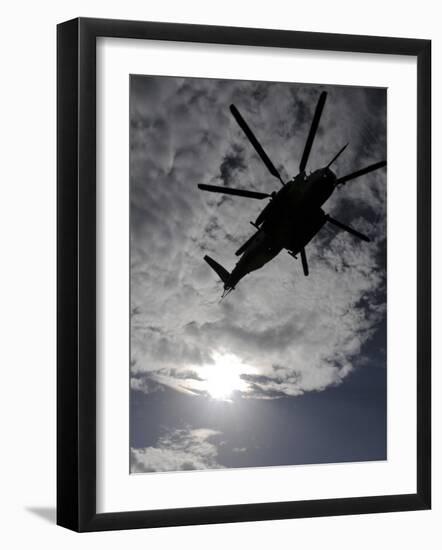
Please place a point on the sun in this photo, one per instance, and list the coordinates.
(223, 377)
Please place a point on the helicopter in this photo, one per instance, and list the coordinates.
(293, 216)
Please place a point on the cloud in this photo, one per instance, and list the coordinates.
(182, 449)
(232, 163)
(294, 334)
(145, 385)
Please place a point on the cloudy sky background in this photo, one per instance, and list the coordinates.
(287, 369)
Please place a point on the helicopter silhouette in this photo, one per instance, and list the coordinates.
(293, 216)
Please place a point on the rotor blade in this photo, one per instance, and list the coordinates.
(313, 129)
(337, 155)
(362, 172)
(348, 229)
(252, 138)
(231, 191)
(304, 262)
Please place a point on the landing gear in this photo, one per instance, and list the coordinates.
(303, 260)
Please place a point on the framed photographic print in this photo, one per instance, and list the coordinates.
(243, 274)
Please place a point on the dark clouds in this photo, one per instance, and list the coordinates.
(232, 163)
(289, 335)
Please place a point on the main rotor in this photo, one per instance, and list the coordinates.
(302, 165)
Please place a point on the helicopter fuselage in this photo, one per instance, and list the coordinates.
(290, 220)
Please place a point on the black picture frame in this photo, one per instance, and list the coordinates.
(76, 273)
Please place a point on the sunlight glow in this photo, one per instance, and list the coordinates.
(223, 376)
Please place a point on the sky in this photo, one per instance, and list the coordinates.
(286, 369)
